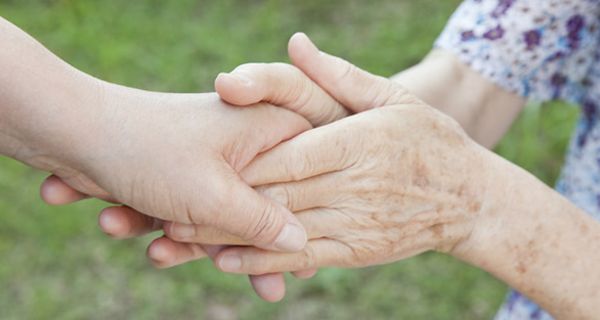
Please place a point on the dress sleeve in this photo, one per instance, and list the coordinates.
(539, 49)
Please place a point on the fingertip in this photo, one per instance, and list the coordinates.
(54, 191)
(291, 238)
(235, 88)
(228, 261)
(160, 252)
(269, 287)
(301, 48)
(113, 223)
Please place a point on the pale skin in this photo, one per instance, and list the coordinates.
(174, 157)
(476, 224)
(483, 109)
(404, 178)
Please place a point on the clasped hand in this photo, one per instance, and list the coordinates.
(381, 177)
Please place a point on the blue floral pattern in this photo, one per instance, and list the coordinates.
(542, 50)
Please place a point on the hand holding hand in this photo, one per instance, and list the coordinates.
(356, 89)
(176, 157)
(372, 188)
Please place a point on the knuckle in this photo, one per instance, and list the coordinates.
(179, 232)
(253, 264)
(299, 91)
(304, 164)
(298, 164)
(279, 194)
(397, 94)
(347, 70)
(261, 230)
(309, 258)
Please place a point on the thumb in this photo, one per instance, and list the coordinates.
(282, 85)
(241, 211)
(355, 88)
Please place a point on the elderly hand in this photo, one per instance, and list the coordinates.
(375, 187)
(372, 188)
(356, 89)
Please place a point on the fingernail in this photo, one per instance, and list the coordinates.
(230, 263)
(182, 230)
(291, 238)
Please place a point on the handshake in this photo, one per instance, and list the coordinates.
(286, 168)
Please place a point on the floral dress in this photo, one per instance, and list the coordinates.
(542, 50)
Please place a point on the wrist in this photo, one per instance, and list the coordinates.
(45, 104)
(47, 126)
(498, 220)
(536, 241)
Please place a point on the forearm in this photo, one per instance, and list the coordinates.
(483, 109)
(42, 99)
(538, 242)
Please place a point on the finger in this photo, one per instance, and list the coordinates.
(251, 260)
(166, 253)
(270, 287)
(296, 196)
(213, 250)
(55, 192)
(194, 233)
(282, 85)
(317, 222)
(230, 204)
(123, 222)
(318, 191)
(305, 274)
(355, 88)
(252, 217)
(317, 151)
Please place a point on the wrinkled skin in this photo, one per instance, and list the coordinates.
(439, 220)
(372, 188)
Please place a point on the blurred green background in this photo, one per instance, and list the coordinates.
(58, 265)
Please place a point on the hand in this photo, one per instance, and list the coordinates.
(280, 84)
(273, 82)
(286, 86)
(376, 187)
(176, 157)
(59, 119)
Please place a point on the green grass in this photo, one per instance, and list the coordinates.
(58, 265)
